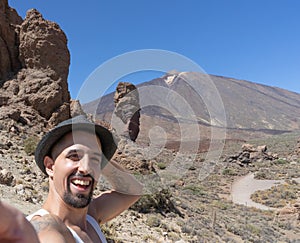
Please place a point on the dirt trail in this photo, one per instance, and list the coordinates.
(243, 187)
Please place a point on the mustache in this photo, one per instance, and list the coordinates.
(79, 175)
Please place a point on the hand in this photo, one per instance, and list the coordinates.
(14, 227)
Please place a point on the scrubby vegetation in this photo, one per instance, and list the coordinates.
(30, 145)
(278, 196)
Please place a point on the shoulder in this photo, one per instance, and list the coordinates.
(51, 227)
(48, 221)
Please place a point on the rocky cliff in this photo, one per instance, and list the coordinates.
(34, 66)
(9, 20)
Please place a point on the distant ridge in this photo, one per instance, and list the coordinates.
(247, 105)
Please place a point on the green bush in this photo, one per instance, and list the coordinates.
(229, 172)
(221, 205)
(153, 221)
(30, 145)
(281, 162)
(195, 189)
(261, 175)
(161, 166)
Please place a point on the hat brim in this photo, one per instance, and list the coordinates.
(45, 145)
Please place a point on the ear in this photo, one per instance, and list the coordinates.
(49, 163)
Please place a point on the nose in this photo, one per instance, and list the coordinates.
(84, 165)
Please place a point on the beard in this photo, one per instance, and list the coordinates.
(78, 200)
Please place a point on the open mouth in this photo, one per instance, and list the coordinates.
(81, 184)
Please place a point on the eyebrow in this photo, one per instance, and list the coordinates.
(81, 150)
(74, 150)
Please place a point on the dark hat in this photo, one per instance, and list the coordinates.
(77, 123)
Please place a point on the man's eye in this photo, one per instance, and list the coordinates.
(74, 156)
(96, 159)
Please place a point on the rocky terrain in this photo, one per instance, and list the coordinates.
(187, 196)
(178, 208)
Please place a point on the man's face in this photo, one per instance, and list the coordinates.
(77, 167)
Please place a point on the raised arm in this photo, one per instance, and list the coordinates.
(126, 190)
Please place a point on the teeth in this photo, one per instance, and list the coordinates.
(80, 182)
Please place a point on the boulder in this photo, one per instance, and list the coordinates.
(251, 154)
(6, 177)
(248, 148)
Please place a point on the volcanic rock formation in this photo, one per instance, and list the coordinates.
(127, 108)
(34, 66)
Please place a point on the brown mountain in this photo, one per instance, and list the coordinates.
(242, 107)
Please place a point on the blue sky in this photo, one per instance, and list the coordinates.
(254, 40)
